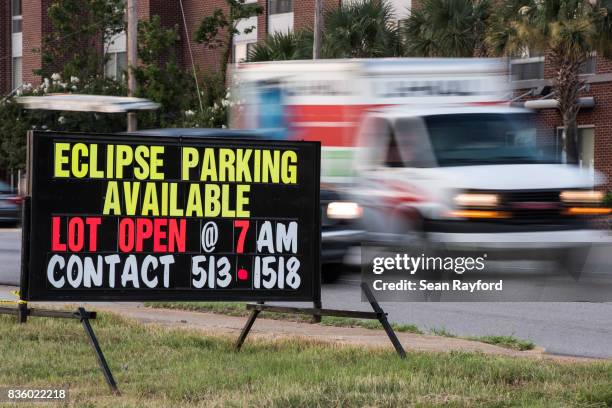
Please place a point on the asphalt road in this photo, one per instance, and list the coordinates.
(581, 329)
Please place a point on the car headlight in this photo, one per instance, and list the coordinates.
(582, 196)
(476, 200)
(343, 210)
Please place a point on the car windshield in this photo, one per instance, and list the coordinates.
(484, 138)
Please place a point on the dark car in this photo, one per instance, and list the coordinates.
(10, 205)
(339, 230)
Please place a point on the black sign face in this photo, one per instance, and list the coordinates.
(118, 217)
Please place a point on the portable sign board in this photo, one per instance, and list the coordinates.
(134, 218)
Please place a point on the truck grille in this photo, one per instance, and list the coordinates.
(533, 206)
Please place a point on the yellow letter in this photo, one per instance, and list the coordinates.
(227, 171)
(142, 171)
(209, 167)
(79, 151)
(94, 172)
(194, 201)
(149, 203)
(111, 199)
(190, 160)
(289, 169)
(270, 166)
(242, 200)
(130, 191)
(157, 162)
(243, 172)
(61, 159)
(174, 211)
(124, 157)
(211, 200)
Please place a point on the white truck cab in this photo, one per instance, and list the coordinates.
(469, 173)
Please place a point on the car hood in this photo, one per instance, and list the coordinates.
(516, 177)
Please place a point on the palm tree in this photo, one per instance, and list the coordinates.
(357, 29)
(283, 46)
(360, 29)
(568, 32)
(446, 28)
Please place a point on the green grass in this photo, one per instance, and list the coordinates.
(441, 331)
(161, 367)
(239, 309)
(510, 342)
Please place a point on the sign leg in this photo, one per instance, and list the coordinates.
(246, 329)
(382, 317)
(316, 318)
(99, 355)
(22, 312)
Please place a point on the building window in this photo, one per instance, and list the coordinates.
(527, 68)
(16, 16)
(589, 66)
(17, 73)
(586, 147)
(242, 51)
(116, 65)
(280, 6)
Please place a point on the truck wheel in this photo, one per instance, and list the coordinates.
(331, 272)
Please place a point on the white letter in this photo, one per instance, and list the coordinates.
(55, 259)
(91, 274)
(130, 272)
(112, 260)
(72, 261)
(166, 260)
(286, 238)
(265, 237)
(144, 271)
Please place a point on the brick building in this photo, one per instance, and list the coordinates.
(23, 23)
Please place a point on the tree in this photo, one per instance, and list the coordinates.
(360, 29)
(217, 31)
(159, 76)
(356, 29)
(80, 30)
(447, 28)
(283, 46)
(568, 32)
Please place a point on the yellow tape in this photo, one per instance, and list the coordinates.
(17, 302)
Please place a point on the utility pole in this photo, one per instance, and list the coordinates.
(318, 29)
(132, 56)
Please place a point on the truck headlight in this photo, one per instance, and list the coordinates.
(581, 196)
(344, 210)
(476, 200)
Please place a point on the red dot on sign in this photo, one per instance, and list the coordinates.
(243, 274)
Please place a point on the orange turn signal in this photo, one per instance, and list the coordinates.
(479, 214)
(588, 211)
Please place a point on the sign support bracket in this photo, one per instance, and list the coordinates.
(22, 311)
(316, 311)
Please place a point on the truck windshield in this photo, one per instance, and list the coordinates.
(484, 138)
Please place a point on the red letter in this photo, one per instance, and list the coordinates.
(177, 235)
(94, 223)
(126, 235)
(76, 234)
(244, 227)
(144, 229)
(56, 245)
(159, 235)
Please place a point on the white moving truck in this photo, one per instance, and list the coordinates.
(425, 146)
